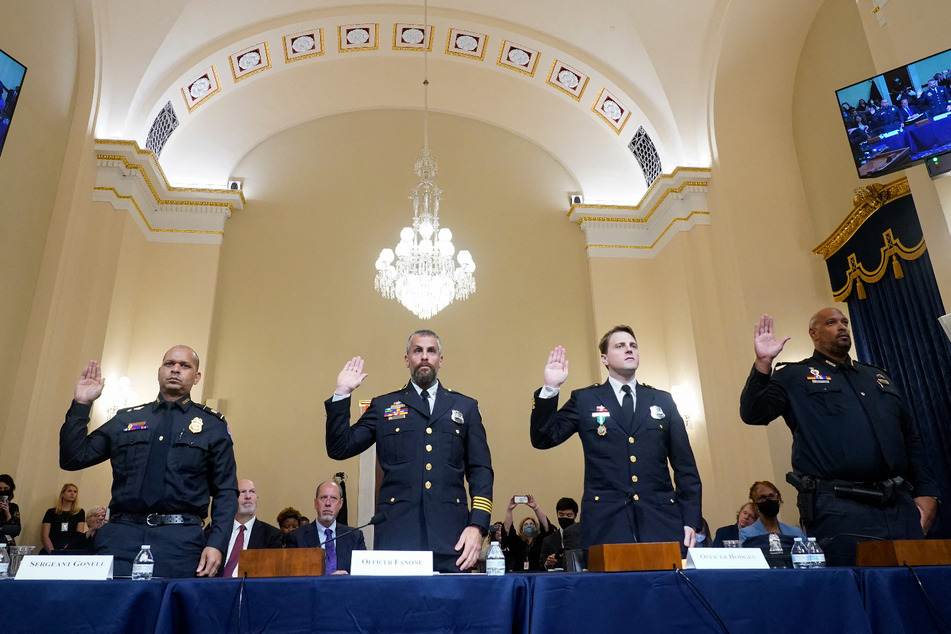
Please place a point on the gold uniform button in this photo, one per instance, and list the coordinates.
(429, 467)
(392, 499)
(671, 500)
(429, 430)
(630, 440)
(636, 498)
(397, 429)
(633, 458)
(457, 500)
(457, 431)
(597, 497)
(429, 485)
(429, 447)
(633, 478)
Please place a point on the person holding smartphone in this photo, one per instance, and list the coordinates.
(523, 547)
(9, 511)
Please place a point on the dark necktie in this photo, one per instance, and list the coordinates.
(627, 405)
(330, 552)
(153, 486)
(235, 551)
(424, 394)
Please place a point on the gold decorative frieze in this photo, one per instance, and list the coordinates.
(358, 37)
(250, 60)
(675, 202)
(610, 109)
(130, 179)
(412, 37)
(201, 87)
(518, 57)
(569, 80)
(466, 44)
(867, 200)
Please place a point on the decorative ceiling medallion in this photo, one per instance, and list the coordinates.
(518, 57)
(358, 37)
(610, 109)
(412, 37)
(466, 43)
(568, 80)
(304, 44)
(200, 88)
(249, 61)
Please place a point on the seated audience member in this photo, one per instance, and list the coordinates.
(746, 516)
(553, 547)
(525, 544)
(906, 110)
(9, 512)
(288, 520)
(768, 499)
(65, 524)
(247, 531)
(94, 521)
(703, 534)
(494, 534)
(303, 521)
(338, 553)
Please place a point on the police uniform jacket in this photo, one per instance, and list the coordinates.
(426, 460)
(847, 420)
(200, 460)
(628, 494)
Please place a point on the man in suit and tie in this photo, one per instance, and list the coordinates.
(906, 110)
(429, 442)
(337, 553)
(247, 530)
(629, 432)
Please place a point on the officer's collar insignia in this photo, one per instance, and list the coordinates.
(882, 380)
(818, 377)
(195, 426)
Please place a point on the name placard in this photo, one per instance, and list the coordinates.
(391, 563)
(725, 559)
(89, 567)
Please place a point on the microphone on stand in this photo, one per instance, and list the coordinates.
(379, 518)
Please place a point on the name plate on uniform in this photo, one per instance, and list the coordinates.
(725, 559)
(89, 567)
(392, 563)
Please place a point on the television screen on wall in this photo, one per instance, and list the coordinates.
(899, 118)
(11, 80)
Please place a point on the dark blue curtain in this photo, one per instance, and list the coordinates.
(885, 273)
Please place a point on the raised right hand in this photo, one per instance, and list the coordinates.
(556, 370)
(350, 377)
(765, 345)
(90, 384)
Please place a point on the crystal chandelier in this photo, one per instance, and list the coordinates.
(421, 273)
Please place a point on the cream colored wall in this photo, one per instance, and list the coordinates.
(295, 297)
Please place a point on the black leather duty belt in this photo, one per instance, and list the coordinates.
(157, 519)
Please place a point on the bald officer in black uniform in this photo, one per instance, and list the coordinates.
(857, 456)
(168, 458)
(630, 432)
(429, 442)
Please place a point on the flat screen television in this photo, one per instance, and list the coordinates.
(11, 80)
(900, 117)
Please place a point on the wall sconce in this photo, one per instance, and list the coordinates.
(685, 401)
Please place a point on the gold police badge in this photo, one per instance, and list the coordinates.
(195, 426)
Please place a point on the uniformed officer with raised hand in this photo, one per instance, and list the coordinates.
(168, 458)
(429, 441)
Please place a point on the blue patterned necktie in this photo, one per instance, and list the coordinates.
(330, 552)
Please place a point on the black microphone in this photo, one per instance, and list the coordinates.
(376, 519)
(825, 542)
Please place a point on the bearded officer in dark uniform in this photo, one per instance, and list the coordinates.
(168, 458)
(857, 456)
(429, 442)
(630, 432)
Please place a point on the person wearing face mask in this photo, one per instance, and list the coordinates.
(768, 499)
(566, 537)
(744, 517)
(524, 545)
(703, 531)
(9, 511)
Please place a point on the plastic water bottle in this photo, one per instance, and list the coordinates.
(817, 558)
(4, 562)
(800, 556)
(495, 560)
(143, 564)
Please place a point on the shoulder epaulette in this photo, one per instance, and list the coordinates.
(871, 365)
(783, 364)
(131, 409)
(649, 387)
(204, 407)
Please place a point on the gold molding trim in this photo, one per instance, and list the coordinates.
(169, 187)
(867, 201)
(193, 106)
(428, 48)
(655, 185)
(145, 220)
(319, 32)
(892, 250)
(654, 243)
(234, 73)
